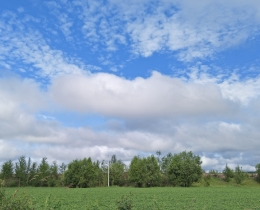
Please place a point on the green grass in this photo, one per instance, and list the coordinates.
(213, 197)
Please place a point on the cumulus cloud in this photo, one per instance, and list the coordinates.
(156, 96)
(214, 116)
(142, 116)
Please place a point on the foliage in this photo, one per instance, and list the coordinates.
(20, 171)
(153, 171)
(257, 167)
(213, 198)
(81, 173)
(166, 162)
(181, 169)
(124, 203)
(116, 173)
(138, 171)
(228, 173)
(184, 169)
(239, 175)
(206, 180)
(7, 172)
(214, 173)
(15, 202)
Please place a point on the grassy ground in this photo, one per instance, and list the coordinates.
(219, 195)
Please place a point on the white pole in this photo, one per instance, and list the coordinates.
(108, 175)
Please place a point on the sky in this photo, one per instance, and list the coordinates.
(84, 78)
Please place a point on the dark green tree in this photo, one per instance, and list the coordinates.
(184, 169)
(159, 159)
(99, 173)
(54, 175)
(7, 172)
(113, 159)
(153, 171)
(27, 172)
(116, 173)
(33, 178)
(43, 172)
(72, 174)
(20, 171)
(239, 175)
(257, 167)
(138, 172)
(166, 162)
(88, 174)
(62, 168)
(228, 173)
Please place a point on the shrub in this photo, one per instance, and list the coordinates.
(206, 180)
(15, 202)
(228, 173)
(125, 203)
(239, 175)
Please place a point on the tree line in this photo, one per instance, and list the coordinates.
(171, 170)
(180, 169)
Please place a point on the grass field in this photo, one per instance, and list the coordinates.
(213, 197)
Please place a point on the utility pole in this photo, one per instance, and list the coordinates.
(108, 174)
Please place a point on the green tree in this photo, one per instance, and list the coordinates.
(213, 173)
(43, 172)
(27, 171)
(33, 178)
(113, 159)
(88, 173)
(20, 171)
(166, 162)
(257, 167)
(159, 159)
(72, 174)
(54, 175)
(138, 172)
(62, 168)
(184, 169)
(228, 173)
(81, 173)
(7, 171)
(116, 173)
(153, 171)
(239, 175)
(99, 172)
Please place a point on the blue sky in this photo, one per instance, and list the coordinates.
(94, 78)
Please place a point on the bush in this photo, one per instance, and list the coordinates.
(239, 175)
(228, 173)
(206, 180)
(214, 173)
(15, 202)
(124, 203)
(21, 201)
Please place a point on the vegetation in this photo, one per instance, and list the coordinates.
(183, 169)
(172, 170)
(239, 175)
(228, 173)
(213, 197)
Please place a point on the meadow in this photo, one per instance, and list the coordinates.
(213, 197)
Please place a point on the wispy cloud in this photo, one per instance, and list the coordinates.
(27, 46)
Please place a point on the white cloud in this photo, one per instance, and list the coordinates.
(156, 96)
(193, 30)
(196, 30)
(28, 45)
(157, 113)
